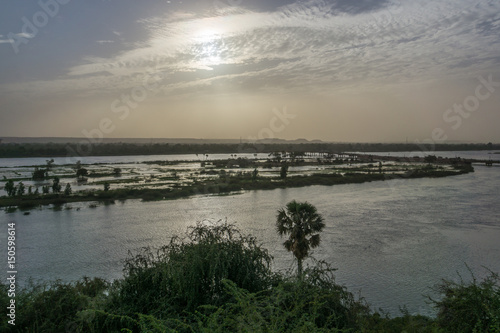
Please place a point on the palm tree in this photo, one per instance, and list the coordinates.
(301, 221)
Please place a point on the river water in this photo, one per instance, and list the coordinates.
(390, 240)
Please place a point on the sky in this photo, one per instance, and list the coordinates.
(342, 71)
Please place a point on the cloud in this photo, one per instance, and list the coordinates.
(25, 35)
(360, 6)
(313, 45)
(105, 41)
(10, 40)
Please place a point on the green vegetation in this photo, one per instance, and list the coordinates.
(68, 190)
(56, 185)
(215, 279)
(20, 189)
(117, 172)
(40, 174)
(10, 188)
(81, 173)
(470, 307)
(284, 171)
(302, 223)
(188, 273)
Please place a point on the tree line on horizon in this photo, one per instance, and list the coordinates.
(118, 149)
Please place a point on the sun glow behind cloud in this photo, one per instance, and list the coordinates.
(209, 45)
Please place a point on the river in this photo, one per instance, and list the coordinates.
(390, 240)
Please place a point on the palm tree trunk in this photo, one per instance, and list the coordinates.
(299, 268)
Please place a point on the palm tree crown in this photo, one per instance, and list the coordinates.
(301, 221)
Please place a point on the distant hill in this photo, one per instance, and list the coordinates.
(149, 140)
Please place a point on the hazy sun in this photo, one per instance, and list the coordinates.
(206, 35)
(208, 44)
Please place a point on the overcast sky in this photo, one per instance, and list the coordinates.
(346, 70)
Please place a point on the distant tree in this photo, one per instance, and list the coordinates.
(255, 173)
(10, 188)
(81, 173)
(117, 172)
(302, 223)
(40, 174)
(37, 192)
(50, 163)
(284, 171)
(30, 190)
(276, 155)
(296, 155)
(21, 189)
(56, 186)
(67, 189)
(45, 189)
(106, 186)
(430, 158)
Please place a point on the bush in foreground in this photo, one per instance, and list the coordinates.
(188, 272)
(470, 307)
(54, 307)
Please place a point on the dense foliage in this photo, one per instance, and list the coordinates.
(470, 307)
(217, 280)
(188, 273)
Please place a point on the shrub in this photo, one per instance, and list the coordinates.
(4, 303)
(189, 272)
(312, 304)
(469, 307)
(40, 174)
(53, 307)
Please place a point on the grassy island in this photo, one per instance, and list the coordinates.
(165, 180)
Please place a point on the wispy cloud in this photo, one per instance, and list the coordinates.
(313, 45)
(25, 35)
(18, 35)
(105, 41)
